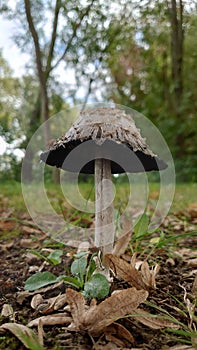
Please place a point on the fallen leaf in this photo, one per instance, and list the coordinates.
(46, 306)
(118, 334)
(50, 320)
(28, 243)
(24, 334)
(30, 230)
(144, 279)
(192, 262)
(192, 210)
(7, 311)
(98, 317)
(21, 296)
(148, 276)
(122, 243)
(7, 225)
(154, 321)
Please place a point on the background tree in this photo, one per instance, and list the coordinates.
(140, 54)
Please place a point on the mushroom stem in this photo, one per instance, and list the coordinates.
(104, 212)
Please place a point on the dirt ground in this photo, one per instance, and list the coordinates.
(175, 294)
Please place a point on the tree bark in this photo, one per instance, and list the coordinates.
(177, 39)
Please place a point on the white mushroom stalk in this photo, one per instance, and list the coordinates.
(104, 209)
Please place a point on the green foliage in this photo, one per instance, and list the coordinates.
(92, 285)
(54, 257)
(124, 50)
(24, 334)
(96, 287)
(141, 226)
(40, 279)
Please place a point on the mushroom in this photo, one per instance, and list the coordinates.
(103, 141)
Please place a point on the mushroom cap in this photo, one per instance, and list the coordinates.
(103, 133)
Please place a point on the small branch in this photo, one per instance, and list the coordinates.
(36, 41)
(88, 94)
(69, 43)
(53, 38)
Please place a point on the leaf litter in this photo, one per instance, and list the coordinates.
(124, 320)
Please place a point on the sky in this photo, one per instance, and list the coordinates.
(17, 60)
(12, 55)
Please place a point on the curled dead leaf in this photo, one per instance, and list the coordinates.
(98, 317)
(46, 306)
(125, 271)
(50, 320)
(118, 334)
(144, 279)
(149, 275)
(8, 311)
(122, 243)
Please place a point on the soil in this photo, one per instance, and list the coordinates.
(174, 282)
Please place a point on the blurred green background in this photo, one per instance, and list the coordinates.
(141, 54)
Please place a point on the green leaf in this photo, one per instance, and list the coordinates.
(55, 257)
(79, 255)
(72, 281)
(40, 279)
(78, 267)
(91, 268)
(24, 334)
(97, 287)
(141, 226)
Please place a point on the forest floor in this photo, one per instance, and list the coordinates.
(165, 287)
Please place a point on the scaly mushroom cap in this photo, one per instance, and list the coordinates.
(103, 133)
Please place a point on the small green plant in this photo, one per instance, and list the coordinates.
(53, 258)
(91, 284)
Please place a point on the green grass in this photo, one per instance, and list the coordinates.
(185, 194)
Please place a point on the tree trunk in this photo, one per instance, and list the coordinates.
(177, 38)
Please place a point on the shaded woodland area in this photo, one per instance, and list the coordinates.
(141, 54)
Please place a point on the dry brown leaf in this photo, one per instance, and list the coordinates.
(153, 321)
(28, 243)
(192, 210)
(7, 225)
(8, 311)
(36, 301)
(122, 243)
(192, 262)
(144, 279)
(118, 334)
(30, 230)
(50, 320)
(24, 334)
(76, 302)
(46, 306)
(98, 317)
(148, 276)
